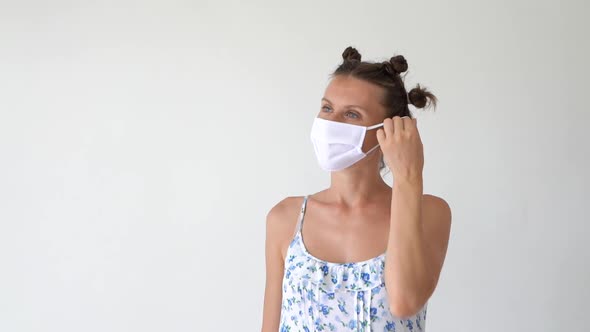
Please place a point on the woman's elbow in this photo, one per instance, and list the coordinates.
(403, 309)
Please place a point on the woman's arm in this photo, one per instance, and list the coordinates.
(419, 226)
(418, 240)
(275, 232)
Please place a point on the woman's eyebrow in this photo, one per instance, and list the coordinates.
(355, 106)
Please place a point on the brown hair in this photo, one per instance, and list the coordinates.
(386, 74)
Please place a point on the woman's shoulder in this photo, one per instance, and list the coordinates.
(435, 203)
(436, 212)
(281, 219)
(284, 209)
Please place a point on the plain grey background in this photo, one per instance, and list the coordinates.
(143, 142)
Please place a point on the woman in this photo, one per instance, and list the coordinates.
(360, 255)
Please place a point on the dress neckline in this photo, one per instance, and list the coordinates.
(299, 238)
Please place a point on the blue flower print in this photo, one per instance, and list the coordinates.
(365, 276)
(342, 308)
(390, 326)
(324, 309)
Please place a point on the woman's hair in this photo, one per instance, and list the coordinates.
(386, 74)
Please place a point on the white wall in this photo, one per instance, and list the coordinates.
(142, 144)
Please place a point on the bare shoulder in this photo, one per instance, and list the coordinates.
(281, 220)
(434, 205)
(280, 215)
(436, 218)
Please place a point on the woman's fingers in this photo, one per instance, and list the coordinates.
(381, 136)
(388, 127)
(398, 125)
(409, 123)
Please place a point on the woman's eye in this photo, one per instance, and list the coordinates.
(354, 114)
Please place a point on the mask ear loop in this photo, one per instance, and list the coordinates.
(375, 126)
(376, 146)
(371, 150)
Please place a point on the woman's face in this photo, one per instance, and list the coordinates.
(354, 101)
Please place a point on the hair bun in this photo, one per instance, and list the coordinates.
(351, 54)
(399, 63)
(388, 68)
(420, 97)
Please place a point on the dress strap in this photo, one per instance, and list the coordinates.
(301, 214)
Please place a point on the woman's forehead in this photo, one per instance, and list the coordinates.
(351, 91)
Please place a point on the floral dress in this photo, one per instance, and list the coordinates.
(326, 296)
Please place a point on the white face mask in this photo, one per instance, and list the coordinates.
(338, 145)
